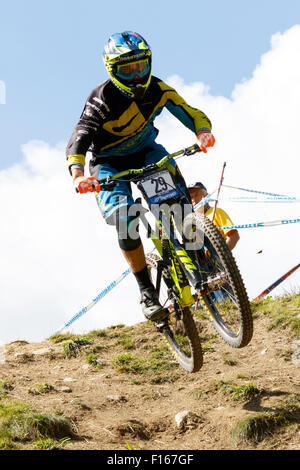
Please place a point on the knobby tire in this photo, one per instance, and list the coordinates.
(240, 307)
(192, 360)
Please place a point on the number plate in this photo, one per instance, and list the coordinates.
(159, 187)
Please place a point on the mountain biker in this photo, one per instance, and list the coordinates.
(116, 125)
(197, 192)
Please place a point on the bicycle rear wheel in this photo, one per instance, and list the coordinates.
(225, 300)
(178, 330)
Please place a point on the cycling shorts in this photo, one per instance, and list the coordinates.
(111, 201)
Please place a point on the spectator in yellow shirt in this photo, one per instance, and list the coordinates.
(197, 192)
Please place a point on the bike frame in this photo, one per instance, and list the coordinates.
(173, 253)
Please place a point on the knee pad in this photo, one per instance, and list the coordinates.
(128, 233)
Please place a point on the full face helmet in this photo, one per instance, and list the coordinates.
(127, 58)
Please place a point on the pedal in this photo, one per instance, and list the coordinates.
(160, 325)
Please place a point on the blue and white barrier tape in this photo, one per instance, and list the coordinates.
(254, 191)
(275, 198)
(261, 224)
(256, 199)
(204, 201)
(94, 301)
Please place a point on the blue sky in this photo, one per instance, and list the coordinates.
(50, 53)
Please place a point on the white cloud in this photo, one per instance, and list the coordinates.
(57, 253)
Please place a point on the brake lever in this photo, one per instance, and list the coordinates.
(191, 150)
(109, 186)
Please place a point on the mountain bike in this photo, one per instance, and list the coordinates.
(193, 262)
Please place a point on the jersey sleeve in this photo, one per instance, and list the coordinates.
(223, 220)
(91, 119)
(192, 118)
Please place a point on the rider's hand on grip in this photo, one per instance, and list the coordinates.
(85, 185)
(204, 140)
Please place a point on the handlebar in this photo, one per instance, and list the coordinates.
(109, 183)
(153, 166)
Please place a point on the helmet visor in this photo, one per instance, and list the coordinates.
(133, 70)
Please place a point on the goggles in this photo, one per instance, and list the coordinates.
(130, 71)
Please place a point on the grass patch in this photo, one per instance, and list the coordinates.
(71, 349)
(94, 361)
(283, 311)
(228, 310)
(129, 363)
(5, 388)
(237, 393)
(221, 385)
(157, 361)
(127, 342)
(45, 443)
(261, 307)
(284, 320)
(183, 343)
(244, 392)
(60, 338)
(208, 343)
(135, 382)
(256, 428)
(114, 328)
(41, 389)
(98, 333)
(163, 379)
(130, 447)
(200, 314)
(19, 423)
(73, 346)
(115, 334)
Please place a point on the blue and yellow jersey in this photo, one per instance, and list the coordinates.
(114, 127)
(221, 219)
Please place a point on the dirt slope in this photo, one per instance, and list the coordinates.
(123, 389)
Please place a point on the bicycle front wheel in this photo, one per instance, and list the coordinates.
(178, 330)
(225, 300)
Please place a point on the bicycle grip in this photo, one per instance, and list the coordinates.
(77, 190)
